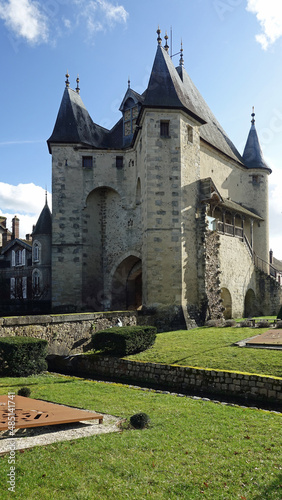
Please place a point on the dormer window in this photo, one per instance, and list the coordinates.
(129, 117)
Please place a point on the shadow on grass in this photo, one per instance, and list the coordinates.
(20, 384)
(200, 353)
(272, 491)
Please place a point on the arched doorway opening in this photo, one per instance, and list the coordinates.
(250, 304)
(127, 284)
(227, 303)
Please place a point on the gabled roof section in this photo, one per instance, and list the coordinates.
(74, 124)
(18, 242)
(253, 155)
(211, 195)
(131, 94)
(44, 222)
(211, 131)
(165, 88)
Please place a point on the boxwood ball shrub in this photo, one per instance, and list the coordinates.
(22, 356)
(124, 340)
(139, 420)
(24, 391)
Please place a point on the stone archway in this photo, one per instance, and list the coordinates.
(126, 289)
(227, 303)
(250, 304)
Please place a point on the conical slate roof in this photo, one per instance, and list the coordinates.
(44, 222)
(165, 88)
(74, 124)
(253, 156)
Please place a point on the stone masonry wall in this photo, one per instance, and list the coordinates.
(66, 334)
(243, 386)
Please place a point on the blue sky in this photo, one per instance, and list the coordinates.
(232, 52)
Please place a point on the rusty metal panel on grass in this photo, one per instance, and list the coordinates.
(18, 412)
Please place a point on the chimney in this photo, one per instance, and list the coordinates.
(270, 256)
(15, 228)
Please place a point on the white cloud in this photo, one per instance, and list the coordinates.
(24, 200)
(25, 19)
(100, 14)
(269, 15)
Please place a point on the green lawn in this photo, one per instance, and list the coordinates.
(213, 348)
(192, 450)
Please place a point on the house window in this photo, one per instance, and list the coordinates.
(87, 161)
(164, 128)
(36, 252)
(36, 284)
(190, 133)
(18, 258)
(18, 288)
(119, 161)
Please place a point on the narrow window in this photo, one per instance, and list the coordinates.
(119, 161)
(190, 133)
(164, 128)
(36, 252)
(87, 161)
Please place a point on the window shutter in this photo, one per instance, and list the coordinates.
(24, 285)
(12, 287)
(13, 258)
(23, 257)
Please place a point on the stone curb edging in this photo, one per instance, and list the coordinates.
(261, 389)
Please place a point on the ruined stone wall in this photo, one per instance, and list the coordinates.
(66, 334)
(268, 294)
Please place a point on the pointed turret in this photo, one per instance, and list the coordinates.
(44, 222)
(253, 156)
(74, 124)
(165, 89)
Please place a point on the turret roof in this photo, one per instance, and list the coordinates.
(74, 124)
(44, 222)
(253, 156)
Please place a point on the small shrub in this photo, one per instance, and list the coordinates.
(22, 356)
(212, 323)
(230, 323)
(279, 324)
(245, 324)
(262, 324)
(139, 420)
(24, 391)
(125, 340)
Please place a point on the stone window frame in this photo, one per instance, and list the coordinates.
(87, 162)
(164, 128)
(119, 162)
(190, 134)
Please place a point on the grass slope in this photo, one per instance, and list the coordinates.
(213, 348)
(193, 449)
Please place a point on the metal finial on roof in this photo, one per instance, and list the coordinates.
(253, 116)
(67, 80)
(46, 196)
(166, 47)
(77, 84)
(128, 81)
(159, 37)
(181, 60)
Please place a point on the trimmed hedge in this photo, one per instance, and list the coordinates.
(22, 356)
(124, 340)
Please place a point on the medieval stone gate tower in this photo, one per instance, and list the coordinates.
(134, 207)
